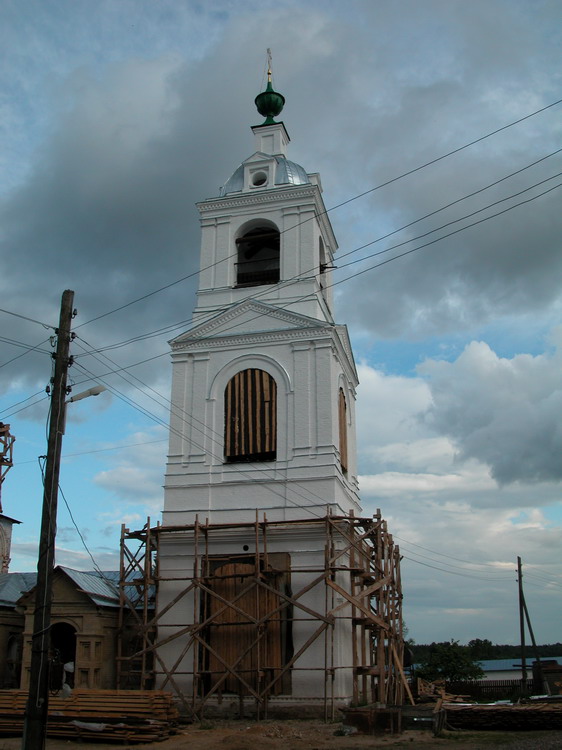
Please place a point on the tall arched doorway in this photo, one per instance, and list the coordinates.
(12, 675)
(63, 652)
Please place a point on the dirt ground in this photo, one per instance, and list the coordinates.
(312, 735)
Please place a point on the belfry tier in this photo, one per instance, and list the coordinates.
(268, 228)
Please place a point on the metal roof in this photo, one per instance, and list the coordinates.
(513, 664)
(14, 585)
(287, 173)
(103, 591)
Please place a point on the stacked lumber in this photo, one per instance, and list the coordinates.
(106, 715)
(428, 692)
(522, 717)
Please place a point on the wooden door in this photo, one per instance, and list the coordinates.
(249, 639)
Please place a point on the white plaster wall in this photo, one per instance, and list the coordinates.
(307, 472)
(307, 554)
(293, 210)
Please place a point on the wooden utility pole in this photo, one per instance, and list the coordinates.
(35, 723)
(524, 612)
(522, 625)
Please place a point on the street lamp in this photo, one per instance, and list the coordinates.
(94, 391)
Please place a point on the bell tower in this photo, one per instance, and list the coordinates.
(263, 390)
(271, 587)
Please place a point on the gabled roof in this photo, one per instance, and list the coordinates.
(251, 316)
(102, 588)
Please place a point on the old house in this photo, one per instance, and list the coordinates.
(84, 625)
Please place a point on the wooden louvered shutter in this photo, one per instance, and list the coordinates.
(250, 417)
(342, 412)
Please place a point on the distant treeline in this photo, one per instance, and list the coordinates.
(482, 649)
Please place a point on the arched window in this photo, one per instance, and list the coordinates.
(250, 417)
(258, 257)
(342, 413)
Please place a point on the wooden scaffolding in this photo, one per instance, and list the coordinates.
(244, 611)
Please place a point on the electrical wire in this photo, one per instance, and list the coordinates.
(445, 236)
(18, 356)
(23, 408)
(339, 205)
(182, 415)
(442, 554)
(21, 344)
(452, 572)
(457, 567)
(171, 327)
(82, 539)
(100, 450)
(31, 320)
(288, 282)
(462, 218)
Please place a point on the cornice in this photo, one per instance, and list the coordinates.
(251, 199)
(265, 337)
(345, 344)
(296, 320)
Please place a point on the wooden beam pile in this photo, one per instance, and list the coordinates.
(106, 715)
(428, 692)
(520, 717)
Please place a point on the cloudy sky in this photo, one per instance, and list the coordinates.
(436, 124)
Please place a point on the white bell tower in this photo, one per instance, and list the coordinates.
(261, 470)
(264, 382)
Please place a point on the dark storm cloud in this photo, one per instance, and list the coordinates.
(107, 208)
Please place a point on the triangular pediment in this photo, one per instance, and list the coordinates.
(246, 317)
(258, 156)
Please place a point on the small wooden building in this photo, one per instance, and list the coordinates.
(84, 624)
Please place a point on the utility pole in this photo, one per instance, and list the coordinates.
(524, 613)
(522, 625)
(35, 723)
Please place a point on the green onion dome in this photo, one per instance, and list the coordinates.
(269, 104)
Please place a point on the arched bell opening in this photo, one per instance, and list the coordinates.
(258, 256)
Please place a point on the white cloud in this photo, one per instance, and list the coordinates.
(503, 412)
(460, 533)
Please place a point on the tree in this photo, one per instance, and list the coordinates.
(449, 661)
(481, 648)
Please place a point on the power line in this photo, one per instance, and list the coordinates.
(339, 205)
(456, 221)
(445, 236)
(441, 554)
(22, 345)
(445, 156)
(452, 572)
(23, 408)
(169, 328)
(466, 567)
(100, 450)
(30, 349)
(24, 317)
(182, 415)
(287, 282)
